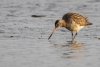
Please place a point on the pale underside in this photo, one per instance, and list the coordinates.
(74, 27)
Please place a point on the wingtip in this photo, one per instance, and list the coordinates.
(90, 24)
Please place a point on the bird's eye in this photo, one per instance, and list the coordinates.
(56, 25)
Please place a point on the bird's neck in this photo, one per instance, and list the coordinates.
(63, 23)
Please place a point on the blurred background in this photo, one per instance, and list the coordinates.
(26, 24)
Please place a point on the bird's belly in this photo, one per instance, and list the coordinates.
(75, 28)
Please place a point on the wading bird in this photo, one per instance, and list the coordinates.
(74, 22)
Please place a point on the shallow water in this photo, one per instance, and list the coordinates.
(24, 39)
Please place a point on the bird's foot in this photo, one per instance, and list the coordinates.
(72, 42)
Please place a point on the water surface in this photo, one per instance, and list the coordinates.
(24, 39)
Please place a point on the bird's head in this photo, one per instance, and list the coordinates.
(58, 24)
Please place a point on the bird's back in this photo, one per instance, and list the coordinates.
(77, 18)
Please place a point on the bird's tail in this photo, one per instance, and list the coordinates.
(90, 24)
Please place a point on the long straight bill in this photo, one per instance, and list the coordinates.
(52, 33)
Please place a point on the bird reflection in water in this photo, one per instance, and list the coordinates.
(75, 51)
(76, 45)
(70, 51)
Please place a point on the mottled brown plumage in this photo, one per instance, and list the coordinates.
(74, 22)
(77, 18)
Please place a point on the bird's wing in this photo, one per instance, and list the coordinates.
(79, 19)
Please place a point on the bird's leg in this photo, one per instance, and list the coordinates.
(74, 37)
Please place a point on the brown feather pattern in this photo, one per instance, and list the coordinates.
(77, 18)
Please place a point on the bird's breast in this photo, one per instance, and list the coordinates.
(74, 27)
